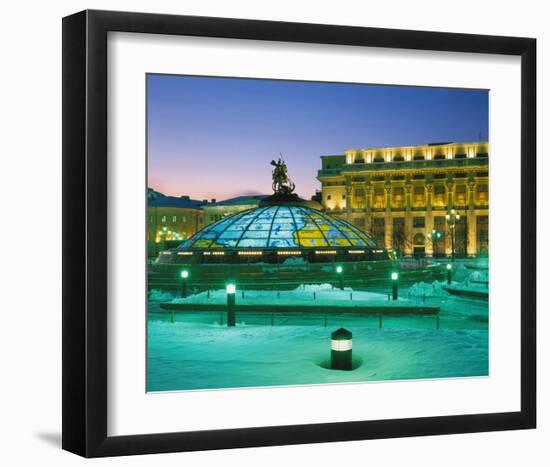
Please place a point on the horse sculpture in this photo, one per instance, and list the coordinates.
(281, 181)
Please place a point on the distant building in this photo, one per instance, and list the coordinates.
(318, 197)
(399, 195)
(171, 219)
(215, 211)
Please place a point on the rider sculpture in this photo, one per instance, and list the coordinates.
(281, 181)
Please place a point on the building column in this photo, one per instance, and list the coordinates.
(408, 247)
(450, 189)
(471, 219)
(388, 222)
(450, 203)
(429, 218)
(368, 208)
(348, 199)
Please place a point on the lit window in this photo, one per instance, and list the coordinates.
(163, 219)
(419, 222)
(174, 218)
(183, 219)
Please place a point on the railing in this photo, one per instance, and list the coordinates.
(329, 172)
(398, 165)
(332, 320)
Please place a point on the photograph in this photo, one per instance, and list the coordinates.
(313, 233)
(275, 234)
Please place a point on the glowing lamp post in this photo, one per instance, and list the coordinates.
(434, 236)
(230, 290)
(449, 273)
(394, 279)
(339, 272)
(340, 354)
(452, 217)
(184, 277)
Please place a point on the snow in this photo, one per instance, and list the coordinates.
(186, 355)
(481, 263)
(477, 280)
(270, 349)
(427, 290)
(196, 352)
(160, 296)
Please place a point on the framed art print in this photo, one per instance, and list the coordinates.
(283, 233)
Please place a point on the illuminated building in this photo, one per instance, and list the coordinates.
(170, 220)
(400, 195)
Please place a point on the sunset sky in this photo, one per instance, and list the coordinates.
(215, 137)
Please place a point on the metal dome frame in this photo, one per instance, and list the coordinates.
(278, 226)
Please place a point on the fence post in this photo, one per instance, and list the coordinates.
(379, 321)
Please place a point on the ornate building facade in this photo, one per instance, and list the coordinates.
(171, 219)
(404, 196)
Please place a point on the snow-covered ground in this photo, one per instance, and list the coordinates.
(427, 290)
(186, 355)
(476, 282)
(196, 352)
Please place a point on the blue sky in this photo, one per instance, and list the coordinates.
(215, 137)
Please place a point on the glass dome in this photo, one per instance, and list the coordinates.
(278, 227)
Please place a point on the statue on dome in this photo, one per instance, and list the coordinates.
(281, 181)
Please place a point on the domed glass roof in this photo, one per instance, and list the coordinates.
(278, 227)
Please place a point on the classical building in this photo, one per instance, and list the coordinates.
(171, 219)
(401, 196)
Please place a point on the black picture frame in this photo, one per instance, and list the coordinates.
(85, 199)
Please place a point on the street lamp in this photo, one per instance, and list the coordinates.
(434, 236)
(394, 279)
(449, 273)
(230, 290)
(184, 276)
(452, 218)
(340, 346)
(339, 271)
